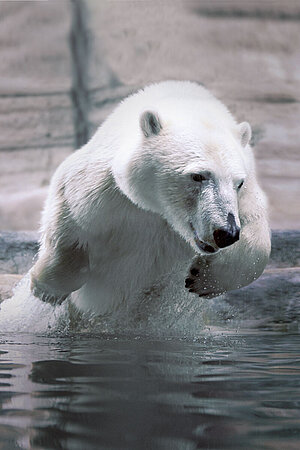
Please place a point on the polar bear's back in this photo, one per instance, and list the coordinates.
(173, 89)
(176, 92)
(180, 102)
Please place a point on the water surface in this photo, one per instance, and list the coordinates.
(236, 390)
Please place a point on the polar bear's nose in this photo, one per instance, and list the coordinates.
(228, 235)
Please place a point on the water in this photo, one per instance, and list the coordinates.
(226, 390)
(168, 372)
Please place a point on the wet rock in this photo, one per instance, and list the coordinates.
(285, 248)
(273, 285)
(275, 296)
(271, 302)
(17, 251)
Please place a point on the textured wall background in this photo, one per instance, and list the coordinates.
(66, 64)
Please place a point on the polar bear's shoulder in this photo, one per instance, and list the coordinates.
(157, 92)
(176, 100)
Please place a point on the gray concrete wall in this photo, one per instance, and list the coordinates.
(66, 64)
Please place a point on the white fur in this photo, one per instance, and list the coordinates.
(126, 200)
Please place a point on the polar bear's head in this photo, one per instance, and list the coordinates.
(192, 171)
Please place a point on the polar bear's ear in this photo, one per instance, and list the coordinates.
(150, 123)
(245, 133)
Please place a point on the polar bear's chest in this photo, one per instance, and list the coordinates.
(131, 255)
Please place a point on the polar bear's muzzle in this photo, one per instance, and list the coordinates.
(223, 237)
(206, 248)
(227, 235)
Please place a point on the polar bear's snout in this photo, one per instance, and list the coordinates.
(206, 248)
(227, 235)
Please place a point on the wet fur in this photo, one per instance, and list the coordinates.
(114, 221)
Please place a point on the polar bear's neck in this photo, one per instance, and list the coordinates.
(129, 231)
(131, 249)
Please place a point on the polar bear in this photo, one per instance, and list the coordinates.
(167, 180)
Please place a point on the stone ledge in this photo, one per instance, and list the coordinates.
(272, 302)
(273, 284)
(277, 288)
(285, 248)
(18, 249)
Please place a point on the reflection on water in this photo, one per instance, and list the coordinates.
(235, 391)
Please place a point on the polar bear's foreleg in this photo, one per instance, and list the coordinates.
(233, 267)
(59, 272)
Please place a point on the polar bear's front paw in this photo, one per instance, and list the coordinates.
(40, 292)
(200, 279)
(191, 280)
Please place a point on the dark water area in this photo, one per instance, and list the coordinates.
(224, 391)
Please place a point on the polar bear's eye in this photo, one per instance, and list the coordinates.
(241, 184)
(198, 177)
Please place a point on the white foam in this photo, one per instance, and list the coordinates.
(23, 312)
(168, 310)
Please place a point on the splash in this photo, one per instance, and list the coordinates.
(166, 310)
(23, 312)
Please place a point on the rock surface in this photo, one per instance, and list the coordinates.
(285, 249)
(273, 285)
(17, 251)
(36, 111)
(52, 97)
(271, 303)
